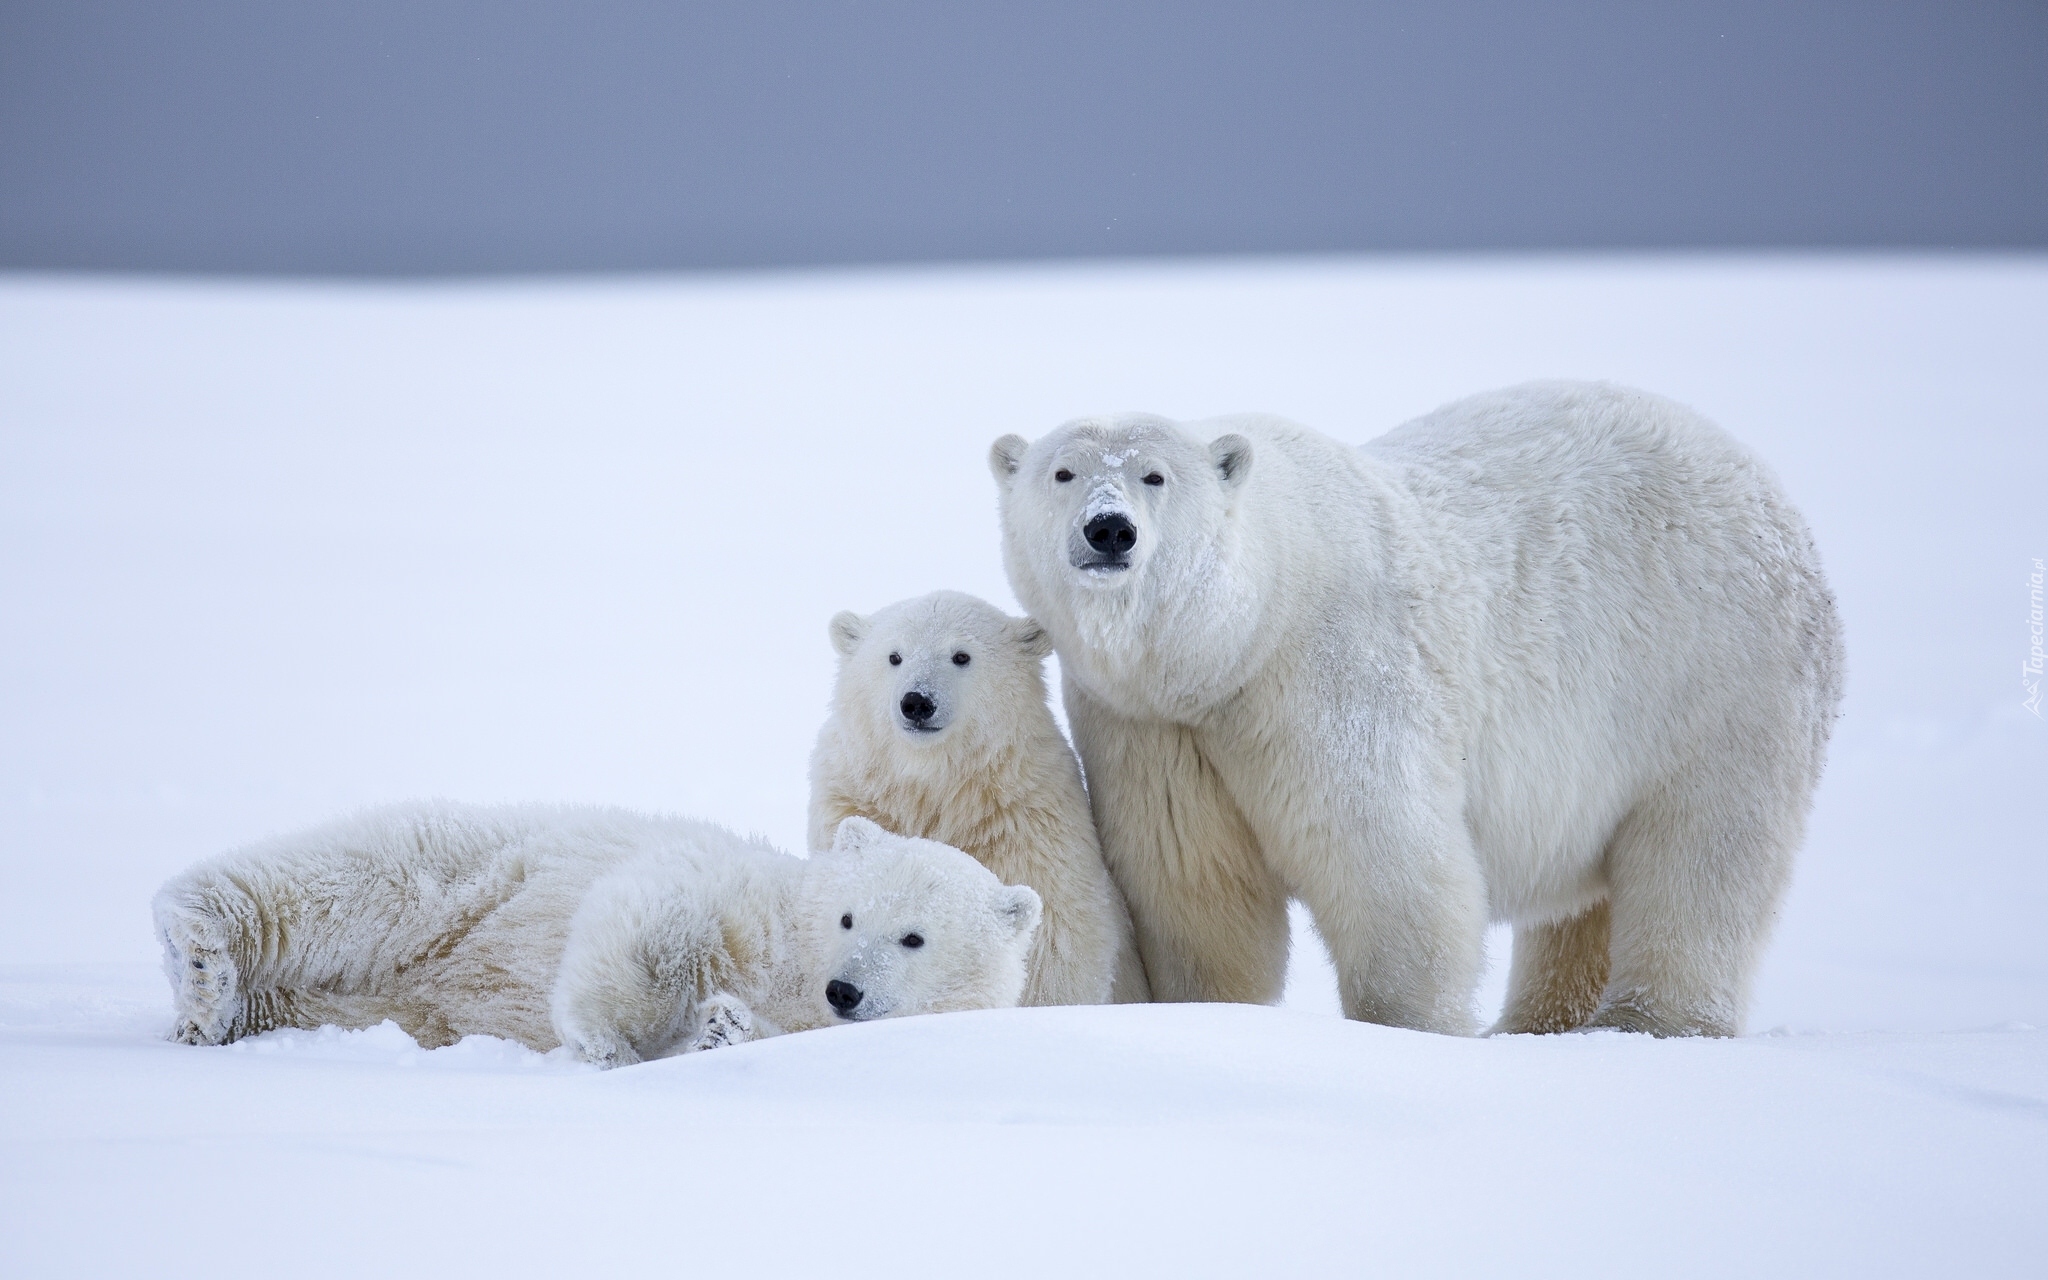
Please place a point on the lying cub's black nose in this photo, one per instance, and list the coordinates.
(917, 708)
(842, 996)
(1111, 534)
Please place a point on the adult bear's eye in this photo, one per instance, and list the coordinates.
(895, 659)
(961, 659)
(846, 921)
(1153, 477)
(1063, 475)
(913, 940)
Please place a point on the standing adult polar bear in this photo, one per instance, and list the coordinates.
(1560, 655)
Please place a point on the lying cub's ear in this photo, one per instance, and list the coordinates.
(847, 629)
(1019, 907)
(1003, 457)
(1232, 455)
(854, 834)
(1027, 635)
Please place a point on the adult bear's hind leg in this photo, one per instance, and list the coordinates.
(1557, 975)
(1695, 886)
(1209, 914)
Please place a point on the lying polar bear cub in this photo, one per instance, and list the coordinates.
(623, 936)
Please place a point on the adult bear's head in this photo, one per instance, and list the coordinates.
(1120, 534)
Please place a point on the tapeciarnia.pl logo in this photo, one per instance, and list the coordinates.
(2030, 670)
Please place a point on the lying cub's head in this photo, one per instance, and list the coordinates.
(901, 926)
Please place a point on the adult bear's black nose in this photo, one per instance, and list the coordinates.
(842, 996)
(917, 709)
(1111, 533)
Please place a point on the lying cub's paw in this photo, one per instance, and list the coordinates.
(606, 1048)
(721, 1020)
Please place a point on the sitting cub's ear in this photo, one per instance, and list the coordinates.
(1027, 635)
(1003, 457)
(854, 834)
(847, 628)
(1232, 455)
(1018, 906)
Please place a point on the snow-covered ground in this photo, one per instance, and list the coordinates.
(268, 551)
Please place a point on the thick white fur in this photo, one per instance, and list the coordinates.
(621, 935)
(1560, 655)
(989, 773)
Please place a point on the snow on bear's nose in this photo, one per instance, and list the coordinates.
(918, 709)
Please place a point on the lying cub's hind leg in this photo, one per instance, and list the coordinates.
(1557, 975)
(206, 987)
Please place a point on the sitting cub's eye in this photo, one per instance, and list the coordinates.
(1063, 475)
(846, 921)
(913, 940)
(895, 659)
(1153, 477)
(961, 659)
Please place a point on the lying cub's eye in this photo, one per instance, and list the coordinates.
(895, 659)
(1063, 475)
(1153, 477)
(961, 659)
(846, 921)
(913, 940)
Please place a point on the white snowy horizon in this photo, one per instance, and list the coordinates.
(278, 549)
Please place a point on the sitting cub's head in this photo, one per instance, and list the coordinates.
(927, 672)
(901, 926)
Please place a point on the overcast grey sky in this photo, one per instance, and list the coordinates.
(423, 136)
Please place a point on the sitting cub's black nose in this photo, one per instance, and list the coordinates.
(1111, 534)
(843, 996)
(917, 709)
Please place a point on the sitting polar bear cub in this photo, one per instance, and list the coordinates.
(622, 936)
(939, 728)
(1560, 655)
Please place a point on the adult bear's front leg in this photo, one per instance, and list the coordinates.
(1210, 916)
(1402, 907)
(1360, 812)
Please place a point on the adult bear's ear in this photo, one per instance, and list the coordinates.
(1003, 458)
(847, 630)
(854, 834)
(1232, 455)
(1018, 906)
(1027, 635)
